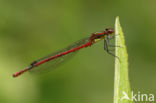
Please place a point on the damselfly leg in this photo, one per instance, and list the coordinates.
(107, 45)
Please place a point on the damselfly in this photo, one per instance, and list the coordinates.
(106, 35)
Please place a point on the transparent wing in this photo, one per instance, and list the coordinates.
(57, 61)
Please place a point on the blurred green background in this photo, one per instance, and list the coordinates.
(30, 29)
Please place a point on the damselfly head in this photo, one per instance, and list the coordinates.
(109, 30)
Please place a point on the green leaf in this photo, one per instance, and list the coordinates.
(122, 91)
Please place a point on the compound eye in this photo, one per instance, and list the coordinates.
(107, 29)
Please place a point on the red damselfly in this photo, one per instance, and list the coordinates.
(106, 35)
